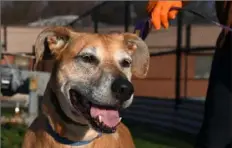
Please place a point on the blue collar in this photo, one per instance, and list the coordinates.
(66, 141)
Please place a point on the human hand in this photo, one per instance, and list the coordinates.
(160, 12)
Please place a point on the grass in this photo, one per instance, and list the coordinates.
(160, 141)
(12, 135)
(145, 136)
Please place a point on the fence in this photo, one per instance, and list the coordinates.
(162, 114)
(181, 114)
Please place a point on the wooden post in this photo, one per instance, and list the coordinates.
(33, 97)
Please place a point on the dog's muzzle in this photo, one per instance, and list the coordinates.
(103, 117)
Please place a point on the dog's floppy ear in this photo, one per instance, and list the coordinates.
(140, 54)
(51, 42)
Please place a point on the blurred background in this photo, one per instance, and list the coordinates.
(168, 108)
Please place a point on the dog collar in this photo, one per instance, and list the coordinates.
(66, 141)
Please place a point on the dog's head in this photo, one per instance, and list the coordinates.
(92, 73)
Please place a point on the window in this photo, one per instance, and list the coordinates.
(203, 66)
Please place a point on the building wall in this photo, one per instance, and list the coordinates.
(21, 39)
(160, 81)
(161, 77)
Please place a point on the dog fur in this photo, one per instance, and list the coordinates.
(115, 54)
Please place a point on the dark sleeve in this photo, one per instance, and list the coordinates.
(224, 12)
(224, 15)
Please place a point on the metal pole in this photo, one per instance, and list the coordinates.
(188, 44)
(1, 48)
(95, 23)
(5, 37)
(1, 56)
(34, 59)
(127, 16)
(3, 45)
(178, 59)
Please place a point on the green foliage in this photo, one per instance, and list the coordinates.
(12, 135)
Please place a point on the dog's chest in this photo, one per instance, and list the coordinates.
(37, 137)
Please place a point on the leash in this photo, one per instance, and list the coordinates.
(66, 141)
(143, 28)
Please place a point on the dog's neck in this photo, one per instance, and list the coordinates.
(61, 123)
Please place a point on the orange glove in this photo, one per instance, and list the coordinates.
(160, 12)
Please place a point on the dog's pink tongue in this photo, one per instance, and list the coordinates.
(108, 117)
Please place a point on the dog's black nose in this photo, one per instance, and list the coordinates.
(122, 89)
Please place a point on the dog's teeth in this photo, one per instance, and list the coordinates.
(120, 119)
(100, 118)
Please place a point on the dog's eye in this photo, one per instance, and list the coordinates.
(89, 58)
(126, 63)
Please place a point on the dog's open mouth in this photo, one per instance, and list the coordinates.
(103, 119)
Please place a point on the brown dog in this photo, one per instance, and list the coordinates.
(89, 84)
